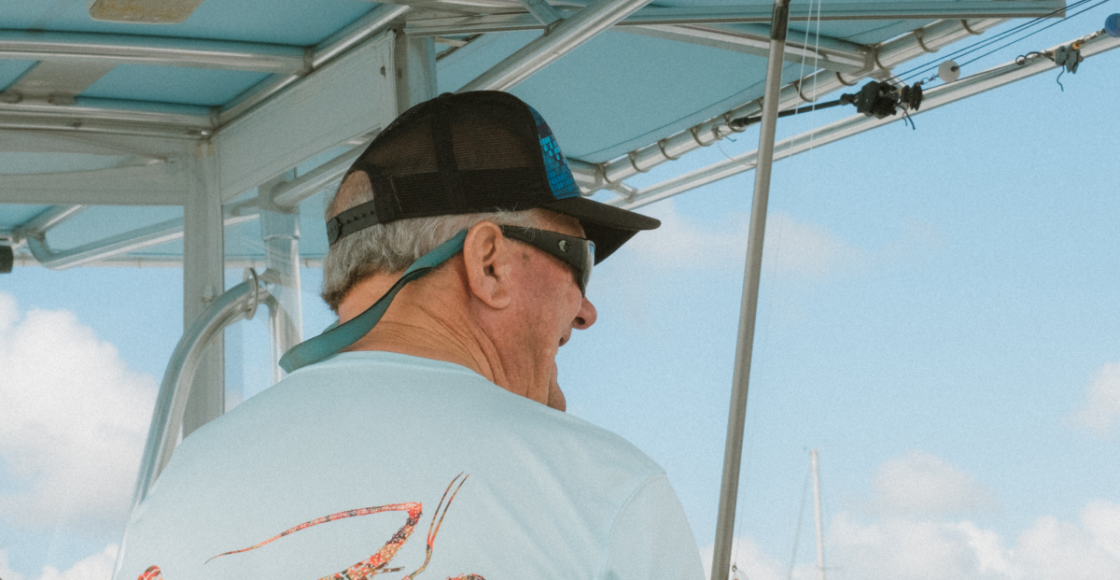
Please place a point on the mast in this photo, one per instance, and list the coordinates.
(817, 510)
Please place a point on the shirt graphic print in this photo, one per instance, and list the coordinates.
(379, 562)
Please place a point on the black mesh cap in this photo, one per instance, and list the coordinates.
(476, 152)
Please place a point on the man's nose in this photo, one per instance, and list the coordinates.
(586, 315)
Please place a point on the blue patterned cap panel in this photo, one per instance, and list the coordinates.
(560, 178)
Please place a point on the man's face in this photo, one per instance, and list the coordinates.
(549, 307)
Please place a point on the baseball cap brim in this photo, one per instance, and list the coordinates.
(608, 226)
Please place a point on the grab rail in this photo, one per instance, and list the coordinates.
(238, 302)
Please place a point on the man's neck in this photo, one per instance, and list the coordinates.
(422, 324)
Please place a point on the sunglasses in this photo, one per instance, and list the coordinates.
(576, 252)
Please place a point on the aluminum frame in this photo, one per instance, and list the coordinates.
(23, 259)
(203, 281)
(280, 235)
(94, 117)
(559, 39)
(101, 115)
(286, 196)
(607, 175)
(825, 52)
(49, 218)
(327, 175)
(153, 50)
(365, 28)
(935, 97)
(157, 183)
(542, 11)
(169, 120)
(113, 246)
(760, 14)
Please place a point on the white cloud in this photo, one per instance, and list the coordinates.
(683, 242)
(904, 547)
(917, 241)
(1101, 410)
(920, 483)
(752, 563)
(899, 548)
(791, 247)
(806, 250)
(911, 537)
(73, 419)
(1091, 551)
(5, 569)
(795, 252)
(1101, 520)
(96, 567)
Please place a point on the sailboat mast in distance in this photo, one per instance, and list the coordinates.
(817, 505)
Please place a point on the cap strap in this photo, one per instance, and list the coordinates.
(352, 220)
(339, 337)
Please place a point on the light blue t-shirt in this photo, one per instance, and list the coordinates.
(540, 494)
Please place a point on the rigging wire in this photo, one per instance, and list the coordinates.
(740, 516)
(979, 44)
(982, 44)
(1052, 24)
(809, 173)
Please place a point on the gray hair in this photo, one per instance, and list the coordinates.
(392, 247)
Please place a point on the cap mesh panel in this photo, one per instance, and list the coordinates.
(490, 144)
(408, 151)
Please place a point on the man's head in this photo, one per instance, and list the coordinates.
(473, 153)
(443, 183)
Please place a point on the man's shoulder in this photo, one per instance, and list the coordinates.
(457, 400)
(423, 401)
(567, 433)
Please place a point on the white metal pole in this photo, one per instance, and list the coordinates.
(415, 60)
(557, 41)
(280, 234)
(817, 505)
(733, 450)
(203, 281)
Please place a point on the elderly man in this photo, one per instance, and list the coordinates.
(463, 216)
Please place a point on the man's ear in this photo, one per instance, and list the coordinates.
(487, 259)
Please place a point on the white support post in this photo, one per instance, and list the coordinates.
(280, 234)
(415, 62)
(737, 413)
(203, 281)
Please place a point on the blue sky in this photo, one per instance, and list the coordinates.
(938, 317)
